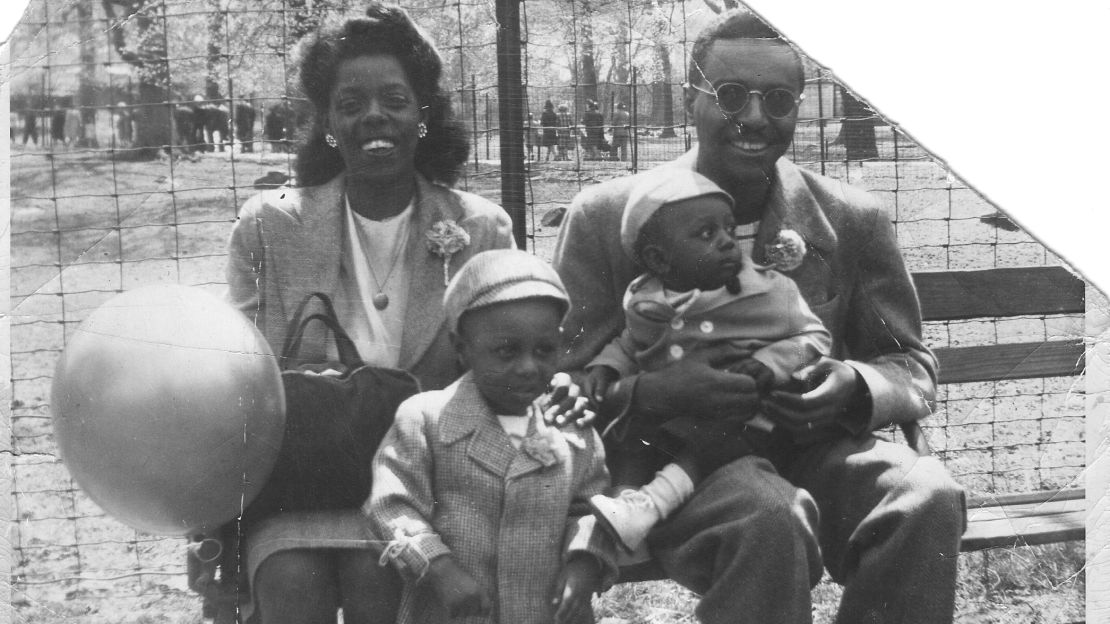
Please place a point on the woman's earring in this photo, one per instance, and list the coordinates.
(330, 140)
(422, 129)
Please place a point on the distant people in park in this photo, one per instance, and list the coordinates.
(244, 123)
(549, 121)
(593, 123)
(30, 126)
(200, 123)
(532, 140)
(57, 124)
(838, 494)
(220, 125)
(121, 122)
(566, 132)
(209, 125)
(277, 127)
(184, 118)
(74, 128)
(621, 127)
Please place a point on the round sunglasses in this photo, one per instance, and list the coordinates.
(732, 97)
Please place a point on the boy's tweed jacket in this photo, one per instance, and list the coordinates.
(447, 480)
(288, 241)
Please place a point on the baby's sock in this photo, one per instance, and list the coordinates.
(670, 488)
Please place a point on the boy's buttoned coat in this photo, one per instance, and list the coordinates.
(768, 317)
(447, 480)
(852, 277)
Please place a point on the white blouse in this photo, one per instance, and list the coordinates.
(373, 262)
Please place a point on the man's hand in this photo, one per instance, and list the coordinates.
(833, 386)
(699, 385)
(456, 588)
(579, 579)
(564, 403)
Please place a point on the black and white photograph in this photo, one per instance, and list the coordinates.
(551, 312)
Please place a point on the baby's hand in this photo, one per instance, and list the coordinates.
(580, 578)
(596, 384)
(764, 377)
(563, 403)
(456, 588)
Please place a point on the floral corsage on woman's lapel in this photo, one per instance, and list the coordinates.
(445, 239)
(546, 444)
(786, 252)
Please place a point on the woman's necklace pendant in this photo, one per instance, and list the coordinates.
(380, 301)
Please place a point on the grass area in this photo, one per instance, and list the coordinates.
(116, 226)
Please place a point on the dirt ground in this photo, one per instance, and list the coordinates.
(87, 228)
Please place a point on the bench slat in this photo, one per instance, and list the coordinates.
(1057, 518)
(950, 295)
(1010, 361)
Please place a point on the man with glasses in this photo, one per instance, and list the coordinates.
(752, 539)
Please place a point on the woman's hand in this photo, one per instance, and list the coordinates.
(579, 579)
(699, 385)
(833, 386)
(460, 594)
(563, 403)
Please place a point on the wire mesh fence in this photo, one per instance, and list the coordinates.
(138, 127)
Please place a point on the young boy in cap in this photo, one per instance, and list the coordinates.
(700, 291)
(484, 507)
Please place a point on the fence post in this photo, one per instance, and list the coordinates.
(486, 131)
(510, 116)
(633, 123)
(474, 117)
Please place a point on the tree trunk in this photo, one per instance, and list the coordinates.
(587, 76)
(621, 65)
(86, 80)
(662, 101)
(212, 62)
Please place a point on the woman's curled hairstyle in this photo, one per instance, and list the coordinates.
(390, 31)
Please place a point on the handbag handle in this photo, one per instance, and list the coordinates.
(299, 312)
(348, 354)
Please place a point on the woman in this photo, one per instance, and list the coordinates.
(372, 183)
(566, 132)
(550, 122)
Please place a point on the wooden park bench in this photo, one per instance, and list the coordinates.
(1012, 518)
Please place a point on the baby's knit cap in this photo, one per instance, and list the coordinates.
(664, 185)
(497, 276)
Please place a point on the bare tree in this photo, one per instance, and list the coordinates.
(86, 79)
(660, 28)
(142, 21)
(587, 72)
(213, 59)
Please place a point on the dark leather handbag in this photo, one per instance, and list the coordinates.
(334, 422)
